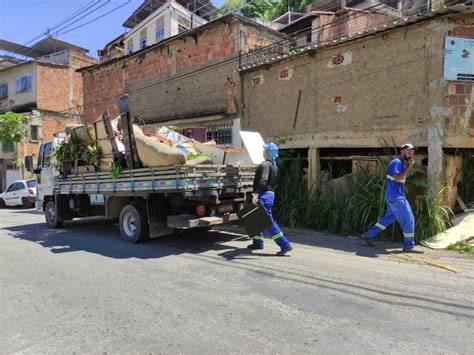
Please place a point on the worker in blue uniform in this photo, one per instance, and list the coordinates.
(398, 208)
(263, 187)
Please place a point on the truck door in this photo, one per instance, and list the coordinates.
(45, 181)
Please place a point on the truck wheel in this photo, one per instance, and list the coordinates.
(2, 203)
(134, 223)
(52, 218)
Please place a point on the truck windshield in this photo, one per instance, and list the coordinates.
(31, 183)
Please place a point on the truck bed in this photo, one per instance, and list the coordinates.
(180, 178)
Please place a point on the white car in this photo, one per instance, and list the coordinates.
(21, 192)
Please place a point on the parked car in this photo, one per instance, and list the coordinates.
(21, 192)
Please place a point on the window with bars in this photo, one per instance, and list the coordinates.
(142, 42)
(160, 31)
(130, 47)
(221, 133)
(8, 147)
(3, 91)
(34, 134)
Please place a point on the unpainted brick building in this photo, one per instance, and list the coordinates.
(188, 80)
(48, 91)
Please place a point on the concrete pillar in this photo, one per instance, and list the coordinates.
(314, 169)
(435, 160)
(452, 175)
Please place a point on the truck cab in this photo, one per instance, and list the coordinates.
(45, 172)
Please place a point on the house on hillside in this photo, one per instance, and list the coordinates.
(155, 21)
(46, 89)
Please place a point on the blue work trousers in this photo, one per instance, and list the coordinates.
(398, 209)
(274, 232)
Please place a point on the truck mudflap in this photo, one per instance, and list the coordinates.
(187, 221)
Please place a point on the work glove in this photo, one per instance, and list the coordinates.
(255, 199)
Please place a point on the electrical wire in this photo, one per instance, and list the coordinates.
(95, 19)
(72, 16)
(80, 18)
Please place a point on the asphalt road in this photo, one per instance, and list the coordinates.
(81, 289)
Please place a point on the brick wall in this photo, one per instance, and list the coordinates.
(52, 87)
(54, 83)
(209, 90)
(79, 60)
(331, 26)
(102, 88)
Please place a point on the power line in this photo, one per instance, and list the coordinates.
(80, 18)
(95, 19)
(74, 15)
(68, 18)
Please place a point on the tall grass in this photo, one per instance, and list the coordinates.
(354, 206)
(292, 196)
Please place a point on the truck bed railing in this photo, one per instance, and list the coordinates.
(166, 179)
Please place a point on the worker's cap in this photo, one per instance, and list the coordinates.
(407, 146)
(272, 150)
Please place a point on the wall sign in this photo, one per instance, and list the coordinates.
(459, 59)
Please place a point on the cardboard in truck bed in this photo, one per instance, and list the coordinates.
(221, 156)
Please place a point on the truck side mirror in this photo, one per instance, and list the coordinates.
(29, 163)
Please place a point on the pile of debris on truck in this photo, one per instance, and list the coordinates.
(102, 146)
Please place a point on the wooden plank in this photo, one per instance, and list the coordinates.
(111, 134)
(131, 156)
(190, 221)
(463, 205)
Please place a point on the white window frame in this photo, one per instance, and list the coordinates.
(24, 83)
(130, 47)
(160, 32)
(37, 133)
(143, 38)
(6, 91)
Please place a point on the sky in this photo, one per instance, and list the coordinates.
(23, 20)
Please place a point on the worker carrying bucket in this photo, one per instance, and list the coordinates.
(263, 187)
(398, 208)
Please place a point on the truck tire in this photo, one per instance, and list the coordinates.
(133, 223)
(52, 218)
(2, 203)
